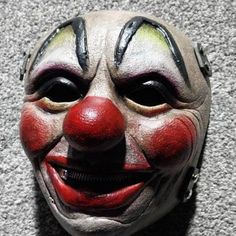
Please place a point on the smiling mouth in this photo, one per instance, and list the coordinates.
(98, 184)
(101, 191)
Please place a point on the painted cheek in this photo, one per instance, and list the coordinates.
(171, 145)
(35, 131)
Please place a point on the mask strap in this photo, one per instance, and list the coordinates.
(203, 62)
(23, 69)
(190, 180)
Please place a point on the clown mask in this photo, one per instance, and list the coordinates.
(114, 119)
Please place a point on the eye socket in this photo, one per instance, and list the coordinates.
(150, 93)
(60, 89)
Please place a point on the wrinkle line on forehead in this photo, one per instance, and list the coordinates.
(130, 29)
(78, 25)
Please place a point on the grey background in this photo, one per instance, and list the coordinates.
(212, 210)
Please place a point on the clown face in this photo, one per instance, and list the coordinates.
(115, 115)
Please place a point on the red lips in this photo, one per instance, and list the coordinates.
(79, 198)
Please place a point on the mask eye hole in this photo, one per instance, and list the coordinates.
(60, 89)
(150, 94)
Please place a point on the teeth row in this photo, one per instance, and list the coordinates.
(70, 174)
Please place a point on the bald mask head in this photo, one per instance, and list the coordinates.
(115, 115)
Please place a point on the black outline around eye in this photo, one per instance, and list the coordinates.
(165, 95)
(54, 83)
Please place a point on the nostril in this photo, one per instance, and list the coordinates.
(94, 124)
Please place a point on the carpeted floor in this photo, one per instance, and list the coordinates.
(212, 210)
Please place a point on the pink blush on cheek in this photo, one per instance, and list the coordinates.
(35, 131)
(171, 145)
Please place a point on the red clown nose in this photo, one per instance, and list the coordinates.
(94, 124)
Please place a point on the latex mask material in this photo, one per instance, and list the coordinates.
(114, 119)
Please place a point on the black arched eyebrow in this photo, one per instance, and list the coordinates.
(78, 25)
(129, 30)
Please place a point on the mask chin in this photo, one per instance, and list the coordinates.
(155, 200)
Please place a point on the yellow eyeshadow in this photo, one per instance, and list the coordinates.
(149, 33)
(64, 35)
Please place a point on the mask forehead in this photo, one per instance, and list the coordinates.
(59, 48)
(148, 51)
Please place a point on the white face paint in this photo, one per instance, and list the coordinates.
(114, 119)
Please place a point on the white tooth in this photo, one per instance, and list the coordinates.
(93, 178)
(64, 174)
(71, 174)
(86, 178)
(76, 175)
(82, 177)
